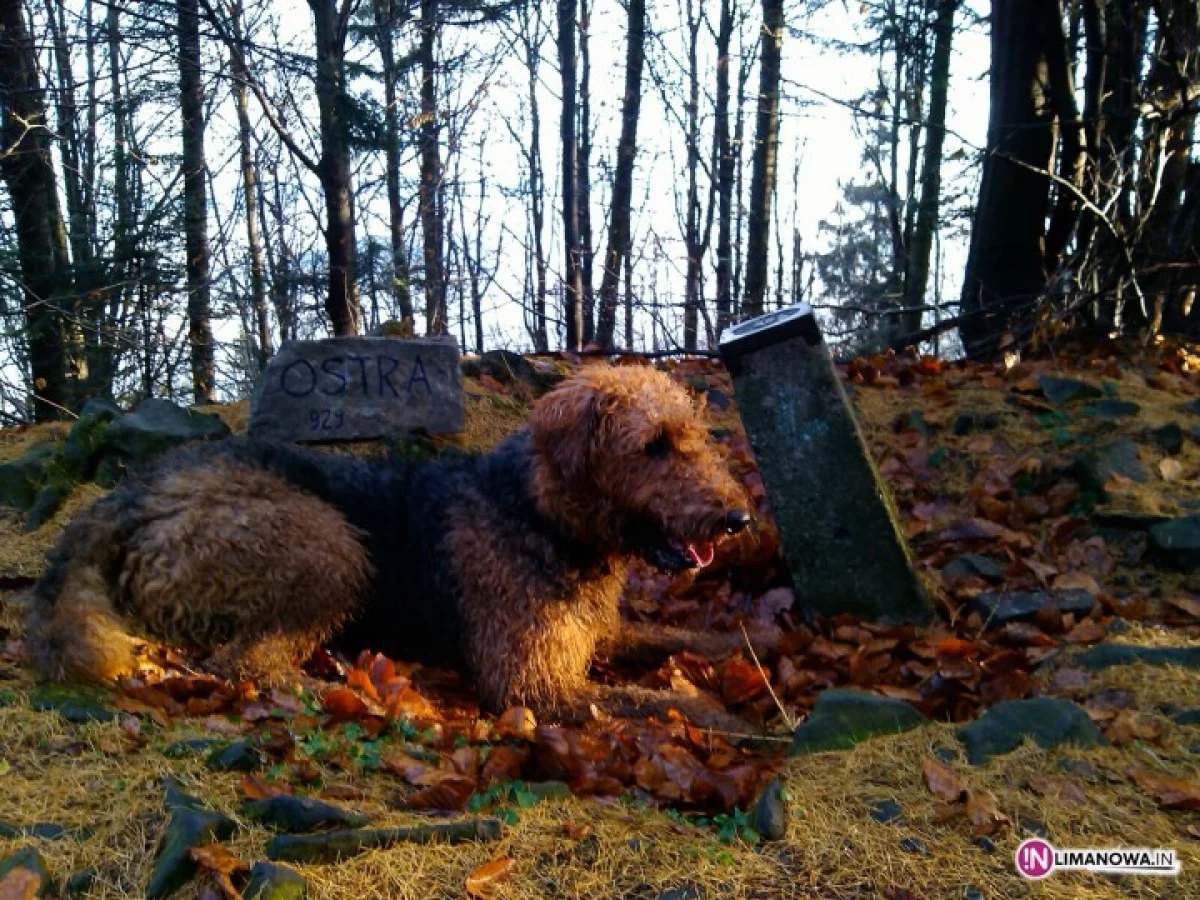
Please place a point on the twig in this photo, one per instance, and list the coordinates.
(787, 719)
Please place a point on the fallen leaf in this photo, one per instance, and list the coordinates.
(942, 780)
(1071, 580)
(1170, 469)
(1186, 603)
(503, 763)
(344, 705)
(1063, 790)
(20, 884)
(484, 880)
(1172, 793)
(253, 787)
(517, 722)
(741, 680)
(1128, 726)
(577, 831)
(449, 793)
(222, 865)
(1088, 631)
(984, 814)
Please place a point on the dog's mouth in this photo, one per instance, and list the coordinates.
(677, 556)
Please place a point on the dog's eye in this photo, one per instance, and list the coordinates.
(659, 448)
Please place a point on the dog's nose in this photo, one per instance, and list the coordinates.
(736, 520)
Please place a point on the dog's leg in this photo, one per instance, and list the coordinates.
(645, 646)
(272, 659)
(632, 702)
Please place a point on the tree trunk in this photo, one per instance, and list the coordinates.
(921, 248)
(121, 274)
(341, 303)
(1072, 155)
(725, 174)
(28, 172)
(584, 173)
(1005, 271)
(619, 223)
(762, 177)
(258, 281)
(573, 287)
(691, 231)
(385, 24)
(432, 218)
(195, 201)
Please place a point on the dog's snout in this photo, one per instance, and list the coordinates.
(737, 520)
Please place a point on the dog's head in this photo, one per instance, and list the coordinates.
(623, 457)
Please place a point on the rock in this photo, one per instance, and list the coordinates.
(510, 368)
(271, 882)
(769, 815)
(838, 526)
(1000, 608)
(189, 747)
(1177, 542)
(21, 478)
(685, 892)
(1127, 520)
(1112, 409)
(1080, 768)
(187, 828)
(1192, 407)
(1061, 391)
(51, 496)
(984, 843)
(155, 426)
(356, 388)
(915, 421)
(24, 876)
(1120, 457)
(333, 846)
(80, 884)
(914, 845)
(300, 815)
(1105, 655)
(844, 717)
(963, 425)
(176, 798)
(85, 444)
(237, 757)
(1187, 717)
(44, 831)
(975, 565)
(887, 812)
(970, 892)
(1050, 722)
(1168, 438)
(1033, 828)
(75, 703)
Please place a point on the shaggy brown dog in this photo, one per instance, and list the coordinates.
(510, 563)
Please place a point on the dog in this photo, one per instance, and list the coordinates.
(509, 564)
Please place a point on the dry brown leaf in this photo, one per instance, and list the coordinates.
(450, 792)
(942, 780)
(1088, 631)
(577, 831)
(984, 813)
(20, 884)
(484, 880)
(517, 722)
(254, 787)
(1063, 790)
(1076, 580)
(1186, 603)
(1172, 793)
(222, 865)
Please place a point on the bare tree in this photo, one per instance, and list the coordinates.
(573, 293)
(431, 209)
(766, 139)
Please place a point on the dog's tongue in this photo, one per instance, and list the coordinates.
(702, 554)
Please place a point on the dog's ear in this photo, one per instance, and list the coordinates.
(564, 425)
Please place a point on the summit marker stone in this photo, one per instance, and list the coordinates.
(837, 523)
(358, 388)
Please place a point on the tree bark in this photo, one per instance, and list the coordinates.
(726, 173)
(341, 302)
(584, 173)
(573, 286)
(1005, 271)
(762, 176)
(28, 172)
(195, 202)
(921, 248)
(619, 224)
(385, 24)
(429, 193)
(691, 236)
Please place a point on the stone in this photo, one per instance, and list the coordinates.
(844, 717)
(914, 845)
(1192, 407)
(1177, 542)
(189, 747)
(1080, 768)
(24, 875)
(1168, 438)
(1187, 717)
(887, 812)
(975, 565)
(156, 426)
(237, 757)
(1061, 391)
(300, 815)
(964, 424)
(21, 478)
(1104, 656)
(75, 703)
(80, 884)
(686, 892)
(984, 843)
(1095, 467)
(44, 831)
(838, 526)
(769, 815)
(85, 444)
(358, 388)
(186, 828)
(269, 881)
(509, 368)
(1110, 409)
(51, 496)
(998, 608)
(1050, 722)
